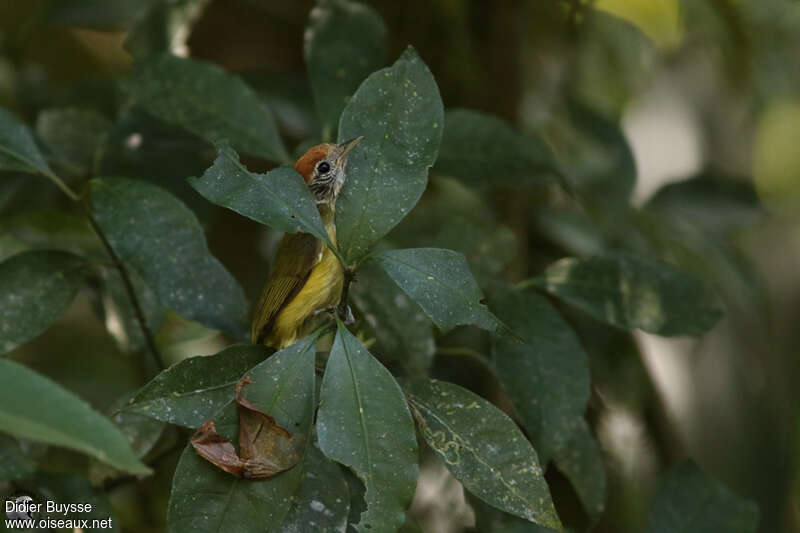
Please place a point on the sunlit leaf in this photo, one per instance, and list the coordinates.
(364, 423)
(280, 198)
(633, 292)
(190, 392)
(33, 407)
(206, 499)
(689, 500)
(484, 151)
(399, 112)
(207, 101)
(344, 42)
(483, 449)
(157, 235)
(441, 283)
(36, 287)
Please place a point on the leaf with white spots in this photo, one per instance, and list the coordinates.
(632, 292)
(279, 198)
(364, 423)
(27, 281)
(483, 449)
(205, 499)
(191, 391)
(344, 42)
(207, 101)
(440, 282)
(322, 503)
(153, 232)
(399, 113)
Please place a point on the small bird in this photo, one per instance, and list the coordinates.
(306, 277)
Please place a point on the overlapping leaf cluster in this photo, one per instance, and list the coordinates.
(360, 421)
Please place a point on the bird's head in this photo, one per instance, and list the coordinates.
(323, 167)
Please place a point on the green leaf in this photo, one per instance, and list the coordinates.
(35, 289)
(321, 504)
(190, 392)
(689, 500)
(204, 498)
(158, 236)
(18, 150)
(33, 407)
(441, 283)
(207, 101)
(48, 229)
(484, 151)
(401, 328)
(344, 42)
(74, 135)
(547, 379)
(14, 462)
(279, 198)
(709, 202)
(632, 292)
(399, 112)
(364, 423)
(483, 449)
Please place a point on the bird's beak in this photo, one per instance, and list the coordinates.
(347, 146)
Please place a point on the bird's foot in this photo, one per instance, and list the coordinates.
(345, 314)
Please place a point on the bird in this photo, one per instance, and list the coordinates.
(306, 277)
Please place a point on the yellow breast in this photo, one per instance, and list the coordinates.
(322, 290)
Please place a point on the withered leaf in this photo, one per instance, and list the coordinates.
(265, 447)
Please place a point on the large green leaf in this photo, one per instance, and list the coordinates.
(190, 392)
(74, 135)
(689, 500)
(18, 150)
(35, 289)
(441, 283)
(399, 112)
(483, 449)
(49, 229)
(279, 198)
(207, 101)
(158, 236)
(547, 378)
(629, 291)
(344, 42)
(321, 504)
(207, 499)
(364, 423)
(33, 407)
(401, 328)
(484, 151)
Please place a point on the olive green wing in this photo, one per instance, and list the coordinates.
(297, 254)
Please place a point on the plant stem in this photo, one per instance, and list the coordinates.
(126, 280)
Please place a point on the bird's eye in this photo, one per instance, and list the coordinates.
(324, 167)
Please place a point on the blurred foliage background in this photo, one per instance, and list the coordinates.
(705, 88)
